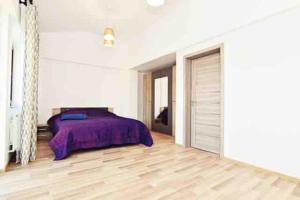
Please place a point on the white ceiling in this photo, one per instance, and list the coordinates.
(127, 17)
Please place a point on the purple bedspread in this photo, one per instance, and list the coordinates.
(101, 129)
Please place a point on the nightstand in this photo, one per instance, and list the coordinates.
(42, 128)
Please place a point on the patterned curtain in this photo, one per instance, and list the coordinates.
(30, 101)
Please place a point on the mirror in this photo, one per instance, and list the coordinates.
(161, 107)
(161, 100)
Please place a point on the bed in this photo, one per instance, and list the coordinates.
(102, 128)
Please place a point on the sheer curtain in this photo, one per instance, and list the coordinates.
(28, 137)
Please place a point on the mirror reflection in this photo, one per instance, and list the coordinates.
(161, 100)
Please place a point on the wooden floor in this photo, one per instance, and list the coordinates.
(164, 171)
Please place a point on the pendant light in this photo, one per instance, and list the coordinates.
(109, 34)
(156, 2)
(108, 43)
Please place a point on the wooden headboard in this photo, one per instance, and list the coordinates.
(56, 111)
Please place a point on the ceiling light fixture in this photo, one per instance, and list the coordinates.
(156, 2)
(108, 43)
(109, 34)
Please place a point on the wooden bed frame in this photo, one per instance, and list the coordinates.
(56, 111)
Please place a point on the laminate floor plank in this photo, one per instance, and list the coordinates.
(135, 172)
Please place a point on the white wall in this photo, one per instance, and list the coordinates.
(261, 92)
(81, 47)
(191, 21)
(76, 70)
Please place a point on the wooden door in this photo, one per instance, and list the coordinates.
(205, 103)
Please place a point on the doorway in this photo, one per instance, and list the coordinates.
(204, 100)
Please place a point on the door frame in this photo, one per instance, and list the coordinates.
(187, 91)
